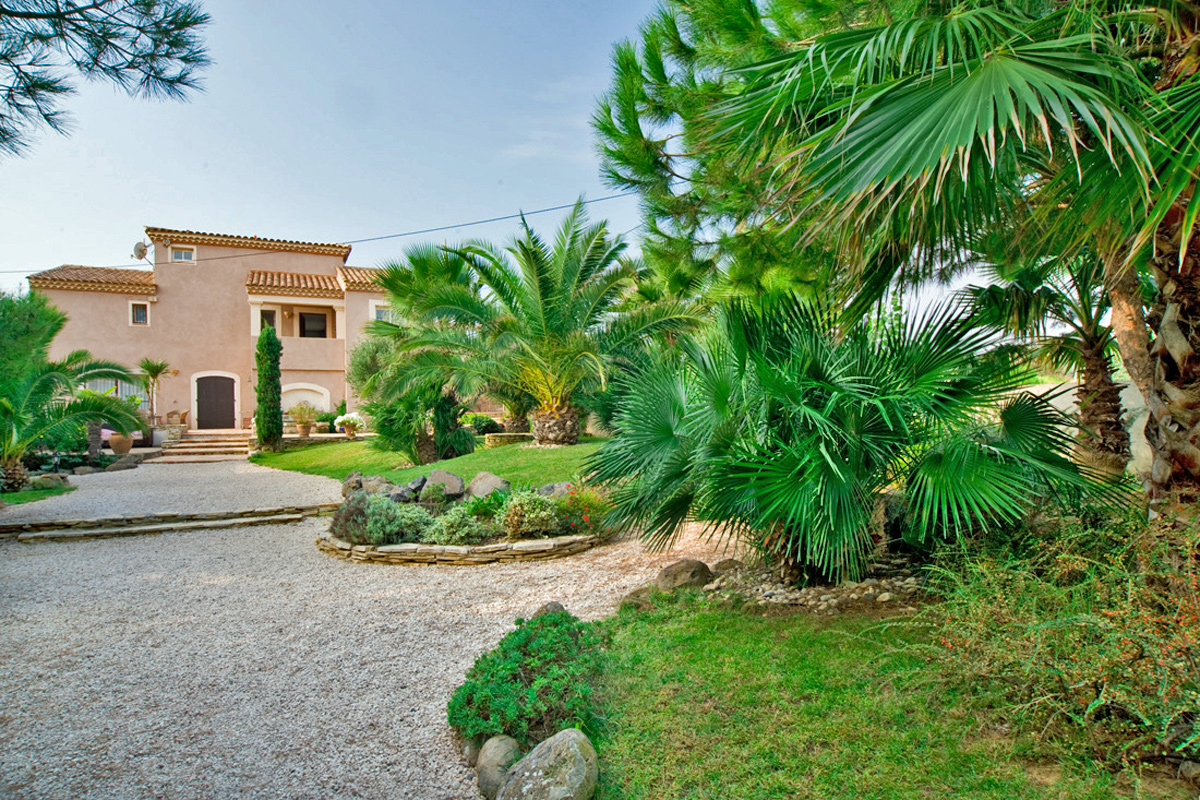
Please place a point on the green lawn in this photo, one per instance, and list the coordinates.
(33, 495)
(514, 463)
(705, 702)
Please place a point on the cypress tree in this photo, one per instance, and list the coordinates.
(268, 416)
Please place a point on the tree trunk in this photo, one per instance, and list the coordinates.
(95, 442)
(1104, 442)
(427, 451)
(13, 476)
(556, 425)
(516, 424)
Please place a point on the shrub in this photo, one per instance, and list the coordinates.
(482, 423)
(268, 416)
(536, 682)
(487, 507)
(459, 526)
(433, 498)
(350, 520)
(529, 515)
(389, 522)
(303, 413)
(325, 422)
(583, 510)
(1090, 623)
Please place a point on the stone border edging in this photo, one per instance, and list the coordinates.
(16, 528)
(523, 550)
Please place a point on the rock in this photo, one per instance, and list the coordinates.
(470, 750)
(683, 573)
(451, 484)
(352, 483)
(124, 462)
(638, 599)
(883, 598)
(84, 470)
(402, 495)
(555, 489)
(377, 484)
(52, 480)
(553, 607)
(485, 483)
(727, 565)
(416, 484)
(495, 757)
(1190, 770)
(563, 767)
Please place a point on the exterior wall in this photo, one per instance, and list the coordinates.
(202, 321)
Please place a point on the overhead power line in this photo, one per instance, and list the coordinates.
(385, 237)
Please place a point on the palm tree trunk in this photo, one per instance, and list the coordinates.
(557, 424)
(427, 451)
(1104, 442)
(516, 424)
(1160, 351)
(13, 476)
(95, 441)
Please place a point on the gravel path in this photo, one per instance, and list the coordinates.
(246, 663)
(166, 488)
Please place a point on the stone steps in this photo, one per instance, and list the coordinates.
(157, 523)
(210, 458)
(81, 534)
(201, 448)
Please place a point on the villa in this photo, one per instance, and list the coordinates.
(201, 309)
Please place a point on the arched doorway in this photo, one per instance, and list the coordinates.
(216, 405)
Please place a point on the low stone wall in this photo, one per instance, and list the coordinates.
(524, 550)
(491, 440)
(17, 528)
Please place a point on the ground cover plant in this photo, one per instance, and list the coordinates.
(520, 465)
(537, 681)
(702, 701)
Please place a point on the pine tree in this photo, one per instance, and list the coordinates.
(268, 416)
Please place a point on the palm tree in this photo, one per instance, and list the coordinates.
(47, 399)
(152, 375)
(1061, 307)
(910, 138)
(546, 322)
(784, 428)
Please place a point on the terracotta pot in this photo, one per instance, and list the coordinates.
(304, 429)
(120, 444)
(351, 432)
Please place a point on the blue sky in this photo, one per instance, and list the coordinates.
(333, 122)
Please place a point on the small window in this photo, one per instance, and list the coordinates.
(266, 319)
(139, 313)
(383, 314)
(183, 254)
(312, 326)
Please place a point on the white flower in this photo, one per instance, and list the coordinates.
(351, 420)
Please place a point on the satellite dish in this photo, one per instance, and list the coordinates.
(139, 251)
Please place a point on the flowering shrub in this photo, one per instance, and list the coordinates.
(583, 510)
(1092, 625)
(529, 515)
(351, 421)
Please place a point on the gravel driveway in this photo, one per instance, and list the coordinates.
(166, 488)
(245, 663)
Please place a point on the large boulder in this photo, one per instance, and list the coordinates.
(451, 484)
(563, 767)
(683, 573)
(402, 495)
(51, 480)
(638, 599)
(85, 470)
(377, 484)
(495, 757)
(129, 461)
(485, 483)
(352, 484)
(561, 489)
(417, 484)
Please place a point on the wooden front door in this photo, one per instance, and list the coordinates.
(214, 402)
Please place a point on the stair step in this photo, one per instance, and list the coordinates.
(76, 534)
(209, 458)
(208, 448)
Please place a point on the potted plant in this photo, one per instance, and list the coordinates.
(350, 423)
(304, 415)
(122, 443)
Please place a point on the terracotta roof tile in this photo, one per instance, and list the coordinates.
(249, 242)
(95, 279)
(359, 279)
(292, 283)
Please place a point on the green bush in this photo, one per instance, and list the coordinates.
(433, 499)
(1082, 626)
(458, 526)
(488, 507)
(325, 422)
(349, 522)
(482, 423)
(268, 415)
(389, 522)
(583, 510)
(536, 682)
(529, 515)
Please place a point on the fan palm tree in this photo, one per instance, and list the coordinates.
(152, 375)
(782, 428)
(912, 137)
(545, 322)
(1062, 307)
(48, 399)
